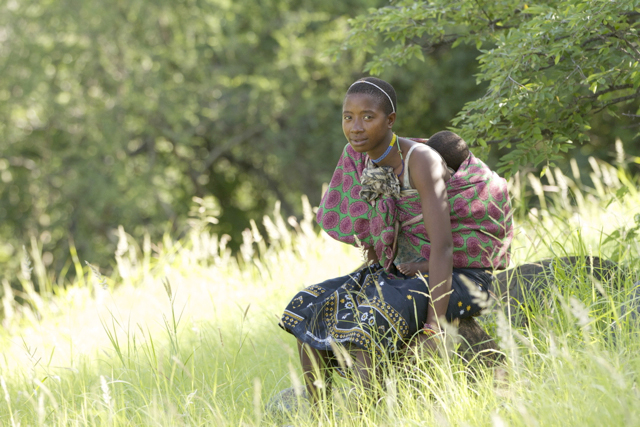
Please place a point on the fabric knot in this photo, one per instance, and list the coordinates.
(379, 181)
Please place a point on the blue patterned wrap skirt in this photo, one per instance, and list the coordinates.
(375, 310)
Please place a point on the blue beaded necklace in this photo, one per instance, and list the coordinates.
(381, 158)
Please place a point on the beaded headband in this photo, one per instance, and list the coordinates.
(381, 90)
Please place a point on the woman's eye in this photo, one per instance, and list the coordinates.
(368, 117)
(346, 117)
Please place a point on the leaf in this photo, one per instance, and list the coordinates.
(615, 235)
(622, 191)
(534, 10)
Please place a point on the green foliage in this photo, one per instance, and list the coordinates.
(552, 68)
(118, 113)
(121, 113)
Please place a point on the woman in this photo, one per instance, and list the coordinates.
(396, 198)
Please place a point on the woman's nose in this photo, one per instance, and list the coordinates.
(357, 126)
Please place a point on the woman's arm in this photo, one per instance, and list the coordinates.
(427, 175)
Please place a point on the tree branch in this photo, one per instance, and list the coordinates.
(489, 18)
(637, 53)
(141, 149)
(265, 178)
(235, 140)
(608, 90)
(428, 46)
(617, 100)
(496, 141)
(625, 41)
(596, 38)
(449, 39)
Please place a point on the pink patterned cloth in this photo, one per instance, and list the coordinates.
(481, 221)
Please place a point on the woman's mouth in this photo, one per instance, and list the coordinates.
(358, 142)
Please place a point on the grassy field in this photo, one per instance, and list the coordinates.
(185, 334)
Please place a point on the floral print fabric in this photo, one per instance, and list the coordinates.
(481, 220)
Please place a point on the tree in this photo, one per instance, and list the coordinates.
(552, 68)
(119, 113)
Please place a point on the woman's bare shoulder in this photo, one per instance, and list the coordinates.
(425, 161)
(424, 156)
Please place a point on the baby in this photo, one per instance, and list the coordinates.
(451, 147)
(454, 151)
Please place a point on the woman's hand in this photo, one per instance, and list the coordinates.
(372, 257)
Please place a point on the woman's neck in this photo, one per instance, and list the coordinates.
(378, 156)
(393, 159)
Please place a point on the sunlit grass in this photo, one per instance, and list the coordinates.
(186, 334)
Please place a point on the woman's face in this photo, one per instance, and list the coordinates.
(364, 123)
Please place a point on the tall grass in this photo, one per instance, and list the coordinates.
(184, 333)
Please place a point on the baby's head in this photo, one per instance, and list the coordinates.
(451, 147)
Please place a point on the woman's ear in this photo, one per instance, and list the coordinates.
(391, 119)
